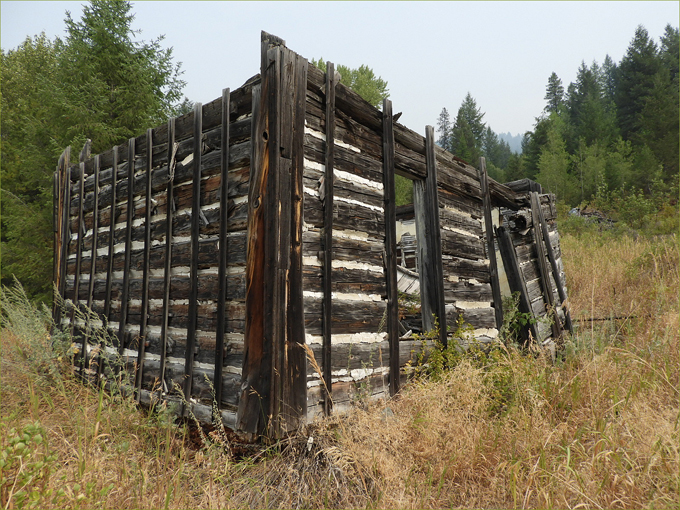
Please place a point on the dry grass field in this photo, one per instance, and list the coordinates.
(596, 429)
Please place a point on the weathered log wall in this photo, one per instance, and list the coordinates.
(113, 259)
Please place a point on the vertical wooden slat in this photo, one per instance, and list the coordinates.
(224, 239)
(141, 348)
(277, 228)
(544, 277)
(555, 270)
(428, 232)
(60, 238)
(390, 245)
(294, 408)
(79, 250)
(93, 257)
(112, 234)
(516, 280)
(169, 206)
(195, 238)
(327, 239)
(128, 246)
(56, 187)
(79, 332)
(252, 400)
(109, 269)
(490, 247)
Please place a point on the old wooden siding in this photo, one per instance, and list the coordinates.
(359, 349)
(519, 224)
(207, 260)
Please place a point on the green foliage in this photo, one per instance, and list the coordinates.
(554, 94)
(361, 80)
(403, 190)
(26, 465)
(514, 321)
(553, 165)
(100, 83)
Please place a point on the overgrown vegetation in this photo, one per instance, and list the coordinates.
(100, 82)
(495, 429)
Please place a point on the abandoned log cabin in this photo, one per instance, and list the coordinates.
(246, 253)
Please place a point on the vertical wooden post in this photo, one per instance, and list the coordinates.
(555, 270)
(516, 280)
(167, 267)
(542, 266)
(224, 239)
(327, 240)
(294, 363)
(141, 347)
(93, 257)
(390, 245)
(273, 390)
(109, 269)
(63, 208)
(195, 238)
(112, 234)
(428, 232)
(79, 251)
(490, 247)
(128, 246)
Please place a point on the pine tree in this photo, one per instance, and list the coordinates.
(635, 81)
(468, 131)
(99, 83)
(114, 86)
(444, 130)
(554, 94)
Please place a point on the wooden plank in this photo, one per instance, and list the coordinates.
(109, 265)
(294, 405)
(490, 246)
(64, 208)
(555, 270)
(169, 211)
(390, 244)
(224, 249)
(195, 236)
(542, 266)
(75, 332)
(327, 239)
(428, 232)
(516, 280)
(93, 257)
(142, 341)
(253, 401)
(128, 245)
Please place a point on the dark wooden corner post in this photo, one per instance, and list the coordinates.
(391, 245)
(327, 239)
(273, 398)
(428, 233)
(61, 237)
(490, 245)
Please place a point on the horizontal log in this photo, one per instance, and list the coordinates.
(348, 316)
(240, 104)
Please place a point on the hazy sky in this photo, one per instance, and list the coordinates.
(430, 53)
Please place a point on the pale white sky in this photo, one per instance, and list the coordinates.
(430, 53)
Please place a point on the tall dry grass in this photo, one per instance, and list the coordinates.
(597, 429)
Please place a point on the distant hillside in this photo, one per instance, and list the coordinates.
(514, 141)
